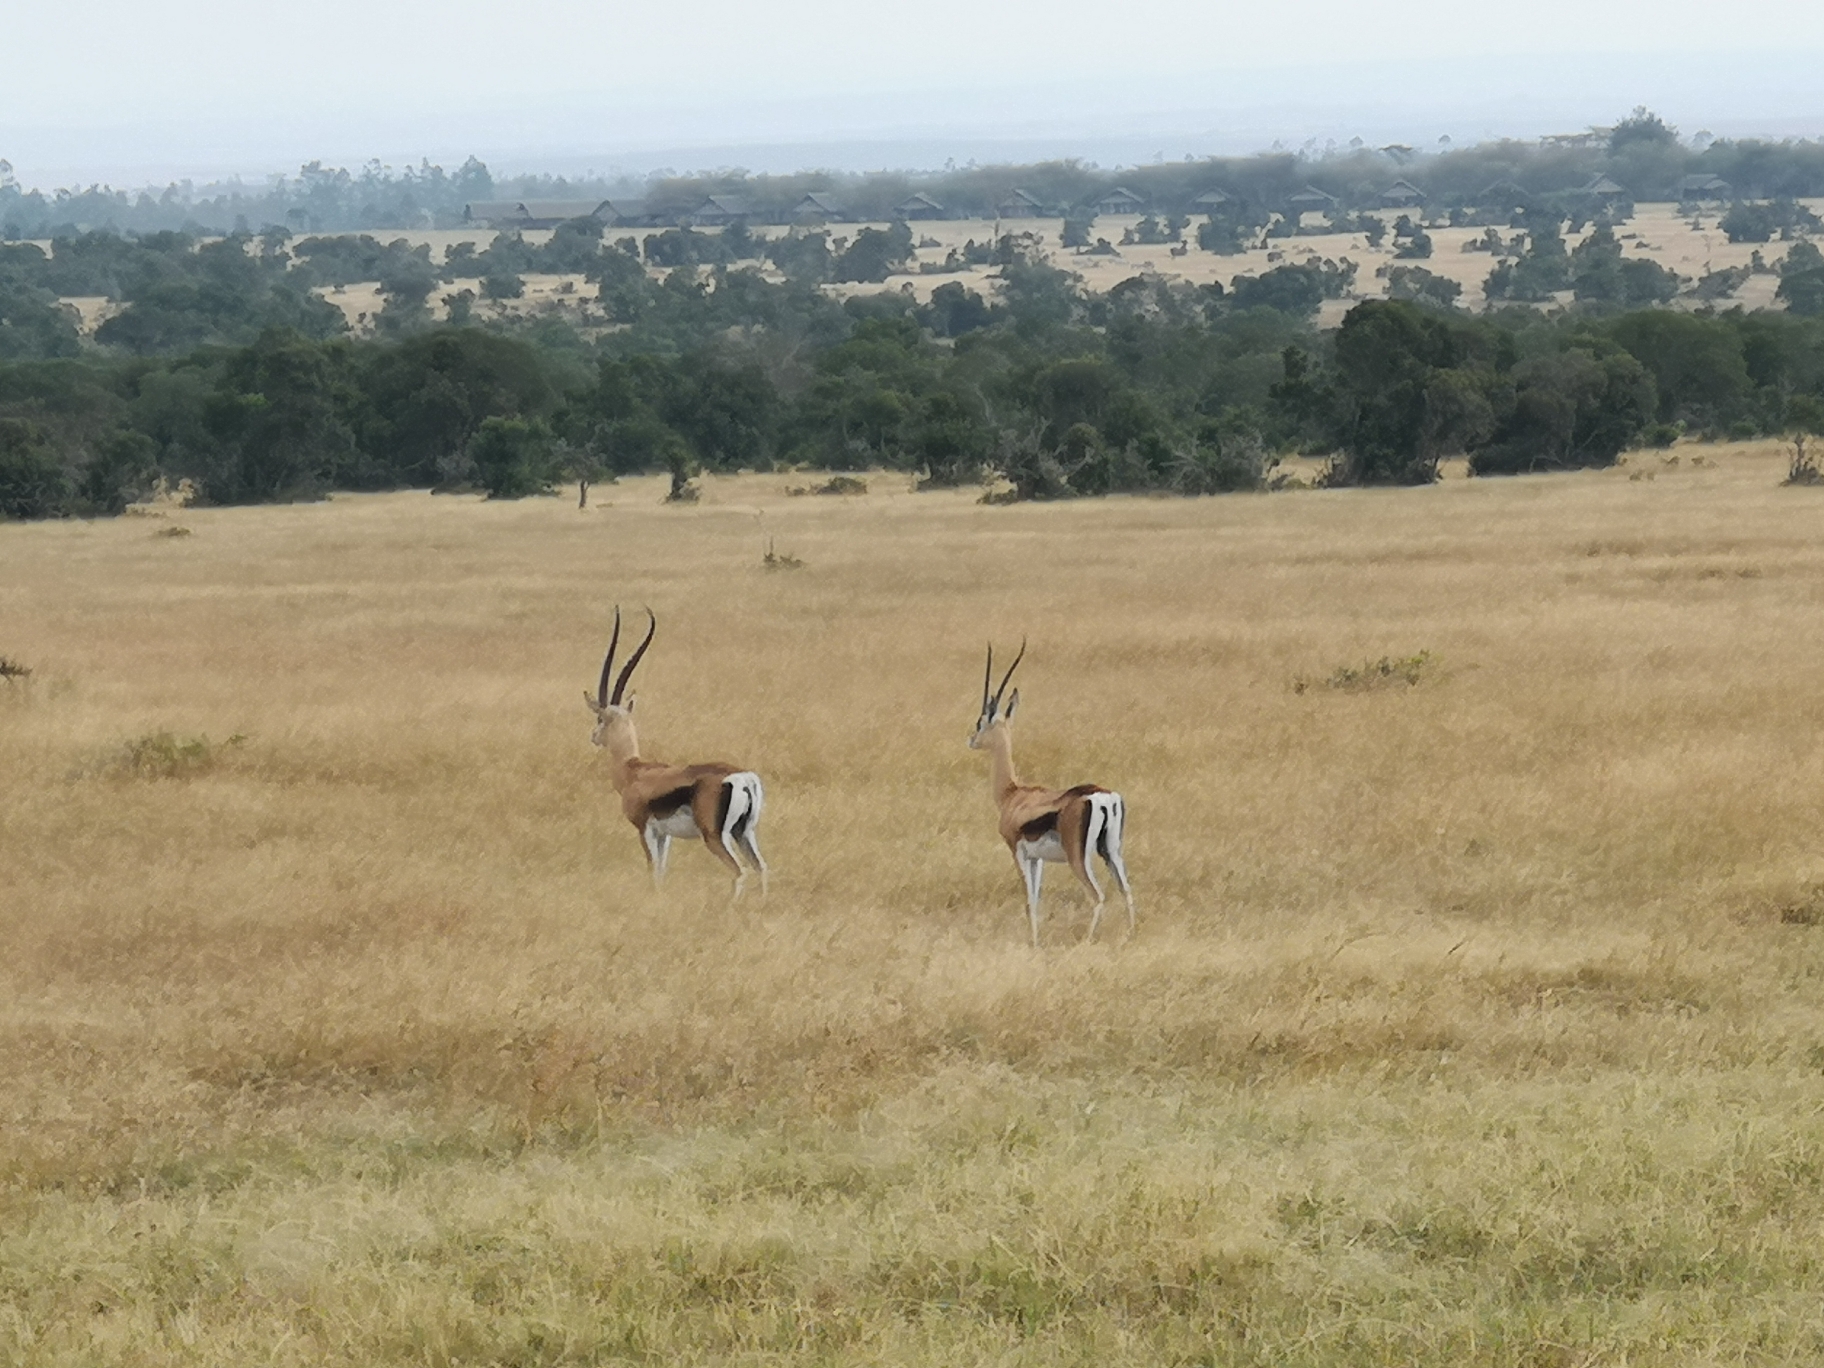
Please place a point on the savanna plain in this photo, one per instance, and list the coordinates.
(1475, 1013)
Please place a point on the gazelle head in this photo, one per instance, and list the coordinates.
(613, 717)
(996, 715)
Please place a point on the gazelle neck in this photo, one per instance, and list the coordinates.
(622, 743)
(998, 742)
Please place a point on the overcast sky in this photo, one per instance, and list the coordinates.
(142, 91)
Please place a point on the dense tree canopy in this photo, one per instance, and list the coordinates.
(220, 364)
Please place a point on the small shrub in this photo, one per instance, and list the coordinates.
(1387, 672)
(166, 755)
(1806, 910)
(172, 532)
(1803, 468)
(11, 670)
(843, 484)
(772, 560)
(1660, 436)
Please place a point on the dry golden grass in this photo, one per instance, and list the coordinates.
(1477, 1020)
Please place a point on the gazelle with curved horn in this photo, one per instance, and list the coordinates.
(718, 803)
(1049, 826)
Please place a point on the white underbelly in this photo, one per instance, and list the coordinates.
(679, 824)
(1047, 848)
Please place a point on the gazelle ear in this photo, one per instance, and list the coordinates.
(589, 702)
(1012, 703)
(628, 705)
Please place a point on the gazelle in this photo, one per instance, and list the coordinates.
(717, 803)
(1049, 826)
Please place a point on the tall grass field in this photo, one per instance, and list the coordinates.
(1475, 1013)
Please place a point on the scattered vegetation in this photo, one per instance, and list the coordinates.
(774, 560)
(168, 755)
(1387, 672)
(13, 671)
(1803, 468)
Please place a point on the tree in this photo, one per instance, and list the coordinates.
(955, 310)
(1422, 286)
(35, 323)
(1749, 223)
(1575, 409)
(1413, 387)
(502, 284)
(1600, 273)
(406, 280)
(874, 254)
(513, 457)
(949, 442)
(1641, 127)
(33, 481)
(279, 423)
(1542, 270)
(1697, 365)
(1802, 280)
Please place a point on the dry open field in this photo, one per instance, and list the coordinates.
(1477, 1020)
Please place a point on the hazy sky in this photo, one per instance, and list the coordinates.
(106, 89)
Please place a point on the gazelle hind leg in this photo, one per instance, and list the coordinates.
(746, 798)
(751, 844)
(1094, 827)
(719, 812)
(1111, 856)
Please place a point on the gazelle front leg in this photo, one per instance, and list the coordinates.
(1032, 870)
(658, 850)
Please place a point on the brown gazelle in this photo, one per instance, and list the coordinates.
(1049, 826)
(717, 803)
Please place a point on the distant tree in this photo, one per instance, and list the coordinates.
(1699, 371)
(1423, 286)
(461, 306)
(954, 310)
(1802, 280)
(1600, 273)
(1749, 223)
(874, 254)
(279, 422)
(1417, 246)
(1296, 289)
(34, 322)
(949, 442)
(513, 457)
(1541, 270)
(574, 246)
(1223, 235)
(502, 284)
(1571, 410)
(1077, 230)
(803, 256)
(120, 469)
(1413, 387)
(406, 280)
(1642, 126)
(33, 481)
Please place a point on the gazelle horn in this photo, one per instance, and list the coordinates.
(620, 685)
(1001, 692)
(601, 690)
